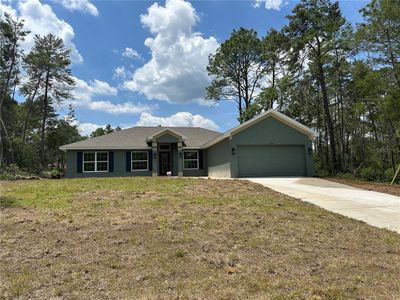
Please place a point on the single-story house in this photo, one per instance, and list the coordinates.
(270, 144)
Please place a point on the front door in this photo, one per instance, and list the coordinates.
(165, 163)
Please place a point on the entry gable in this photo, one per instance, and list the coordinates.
(168, 132)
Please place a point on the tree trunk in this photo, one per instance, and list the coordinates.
(44, 119)
(328, 118)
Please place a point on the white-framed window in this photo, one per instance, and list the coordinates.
(140, 160)
(95, 161)
(190, 160)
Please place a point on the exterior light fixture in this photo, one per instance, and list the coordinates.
(154, 154)
(233, 151)
(180, 154)
(309, 150)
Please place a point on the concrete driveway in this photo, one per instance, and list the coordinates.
(377, 209)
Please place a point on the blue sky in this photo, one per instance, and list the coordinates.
(143, 62)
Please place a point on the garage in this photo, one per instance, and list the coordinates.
(271, 160)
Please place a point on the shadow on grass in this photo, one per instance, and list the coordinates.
(8, 202)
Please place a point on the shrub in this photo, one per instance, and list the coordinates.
(345, 175)
(371, 174)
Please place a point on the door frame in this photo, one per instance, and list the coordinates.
(162, 151)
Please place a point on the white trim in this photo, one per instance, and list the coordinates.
(191, 159)
(270, 113)
(95, 162)
(142, 160)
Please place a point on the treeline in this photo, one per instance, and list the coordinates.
(31, 131)
(341, 80)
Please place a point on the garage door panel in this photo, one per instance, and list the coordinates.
(271, 160)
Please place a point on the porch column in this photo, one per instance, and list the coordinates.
(180, 160)
(154, 171)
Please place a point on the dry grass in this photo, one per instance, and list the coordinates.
(386, 188)
(185, 238)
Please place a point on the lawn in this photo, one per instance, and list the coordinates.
(188, 238)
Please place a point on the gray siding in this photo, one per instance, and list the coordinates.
(199, 172)
(119, 166)
(271, 132)
(218, 159)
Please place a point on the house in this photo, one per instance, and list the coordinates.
(270, 144)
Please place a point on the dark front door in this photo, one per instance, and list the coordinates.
(165, 163)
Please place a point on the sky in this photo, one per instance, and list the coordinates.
(143, 63)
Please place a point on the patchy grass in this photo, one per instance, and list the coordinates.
(188, 238)
(386, 188)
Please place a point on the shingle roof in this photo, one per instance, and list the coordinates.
(135, 138)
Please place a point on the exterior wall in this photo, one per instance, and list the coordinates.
(119, 166)
(200, 171)
(270, 131)
(218, 160)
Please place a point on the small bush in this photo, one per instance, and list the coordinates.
(345, 175)
(371, 174)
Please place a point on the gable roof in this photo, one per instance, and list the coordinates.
(193, 137)
(137, 138)
(269, 113)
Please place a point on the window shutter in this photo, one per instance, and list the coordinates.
(128, 161)
(79, 162)
(200, 159)
(150, 158)
(110, 161)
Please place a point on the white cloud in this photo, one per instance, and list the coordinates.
(88, 128)
(121, 73)
(176, 71)
(270, 4)
(84, 94)
(40, 19)
(184, 119)
(130, 53)
(116, 108)
(80, 5)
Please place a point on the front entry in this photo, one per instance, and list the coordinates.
(165, 163)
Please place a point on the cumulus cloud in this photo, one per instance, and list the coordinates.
(184, 119)
(130, 53)
(40, 19)
(85, 93)
(88, 128)
(80, 5)
(270, 4)
(176, 71)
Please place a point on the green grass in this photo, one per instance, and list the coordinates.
(188, 238)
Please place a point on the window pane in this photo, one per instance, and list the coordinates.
(190, 155)
(88, 167)
(190, 164)
(139, 165)
(88, 156)
(101, 166)
(102, 156)
(139, 155)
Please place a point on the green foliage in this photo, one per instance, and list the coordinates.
(238, 67)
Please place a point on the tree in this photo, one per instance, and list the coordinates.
(274, 47)
(11, 35)
(102, 131)
(61, 132)
(313, 27)
(379, 34)
(237, 67)
(50, 77)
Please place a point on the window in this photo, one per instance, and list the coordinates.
(190, 160)
(95, 161)
(140, 161)
(164, 147)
